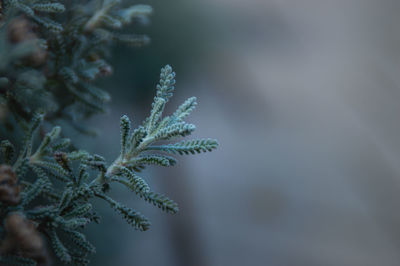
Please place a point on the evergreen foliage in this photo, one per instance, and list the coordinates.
(50, 55)
(68, 207)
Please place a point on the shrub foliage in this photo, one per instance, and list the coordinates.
(51, 54)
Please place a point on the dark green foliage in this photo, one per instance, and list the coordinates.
(161, 202)
(133, 217)
(59, 249)
(67, 206)
(40, 185)
(79, 239)
(51, 54)
(15, 260)
(64, 55)
(188, 147)
(156, 159)
(7, 150)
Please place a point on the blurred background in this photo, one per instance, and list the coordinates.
(303, 96)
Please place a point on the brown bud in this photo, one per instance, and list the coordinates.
(62, 160)
(39, 57)
(19, 30)
(9, 188)
(23, 239)
(93, 57)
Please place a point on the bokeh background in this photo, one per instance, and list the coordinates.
(303, 96)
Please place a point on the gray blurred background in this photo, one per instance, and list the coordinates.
(303, 96)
